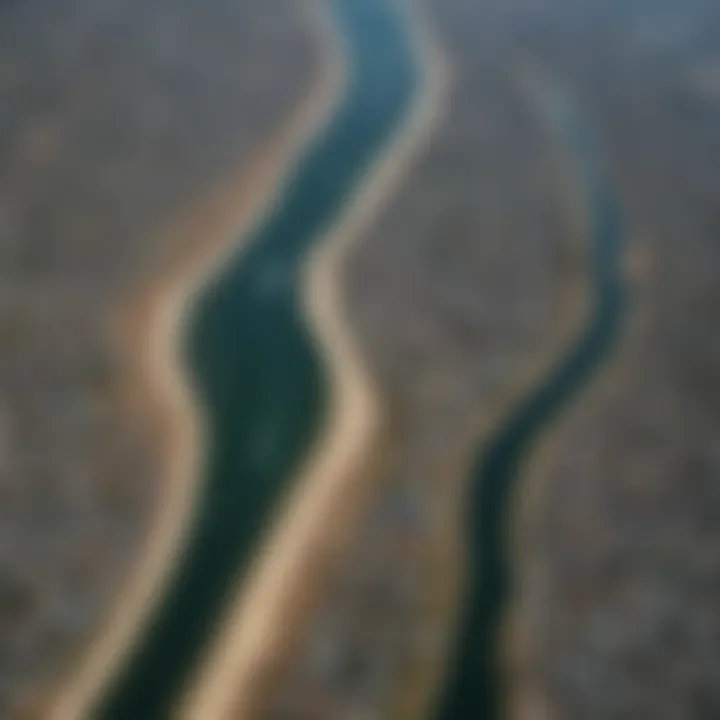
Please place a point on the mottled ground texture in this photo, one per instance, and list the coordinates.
(460, 294)
(461, 285)
(621, 582)
(114, 116)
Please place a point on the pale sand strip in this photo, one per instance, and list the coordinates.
(256, 632)
(156, 319)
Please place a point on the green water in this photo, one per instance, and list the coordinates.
(256, 371)
(474, 690)
(255, 366)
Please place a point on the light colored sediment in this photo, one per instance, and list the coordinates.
(149, 328)
(264, 620)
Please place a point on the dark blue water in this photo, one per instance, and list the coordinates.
(256, 368)
(474, 690)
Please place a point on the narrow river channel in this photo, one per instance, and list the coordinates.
(474, 690)
(259, 377)
(255, 365)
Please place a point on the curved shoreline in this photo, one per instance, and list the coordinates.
(240, 202)
(520, 633)
(256, 632)
(473, 684)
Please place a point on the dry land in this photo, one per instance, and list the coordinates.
(460, 295)
(620, 554)
(116, 118)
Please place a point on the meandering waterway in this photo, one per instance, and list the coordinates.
(255, 364)
(264, 386)
(474, 689)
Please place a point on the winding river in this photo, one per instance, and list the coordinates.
(475, 689)
(264, 386)
(255, 365)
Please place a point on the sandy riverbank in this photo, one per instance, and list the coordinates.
(278, 595)
(149, 327)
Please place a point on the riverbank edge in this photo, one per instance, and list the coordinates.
(256, 637)
(522, 699)
(148, 328)
(526, 697)
(573, 305)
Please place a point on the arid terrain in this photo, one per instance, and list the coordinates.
(462, 293)
(465, 285)
(117, 118)
(619, 585)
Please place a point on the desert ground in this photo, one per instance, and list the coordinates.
(465, 288)
(119, 120)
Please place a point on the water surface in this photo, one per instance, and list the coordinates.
(255, 366)
(474, 690)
